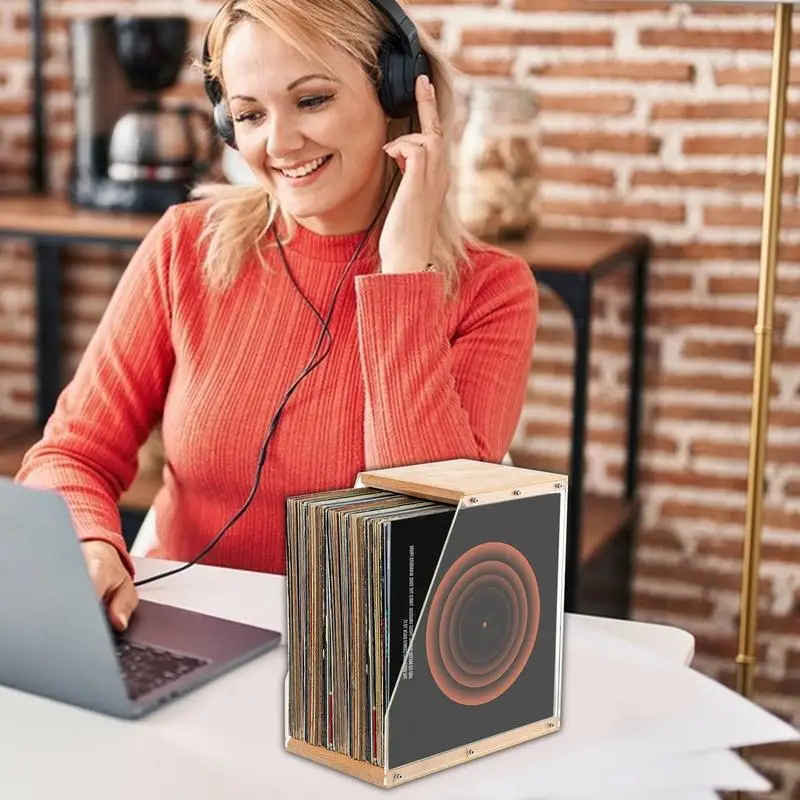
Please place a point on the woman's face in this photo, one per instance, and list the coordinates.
(312, 138)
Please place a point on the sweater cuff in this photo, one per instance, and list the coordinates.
(118, 543)
(393, 300)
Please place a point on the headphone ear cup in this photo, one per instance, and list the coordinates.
(224, 124)
(400, 72)
(392, 91)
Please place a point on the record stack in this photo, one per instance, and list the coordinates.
(425, 617)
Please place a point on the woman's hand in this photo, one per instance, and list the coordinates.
(112, 582)
(407, 237)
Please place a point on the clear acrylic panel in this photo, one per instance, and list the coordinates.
(485, 654)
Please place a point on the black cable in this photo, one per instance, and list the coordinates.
(309, 368)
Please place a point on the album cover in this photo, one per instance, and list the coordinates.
(481, 656)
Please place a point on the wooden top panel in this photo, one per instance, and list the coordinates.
(454, 479)
(56, 217)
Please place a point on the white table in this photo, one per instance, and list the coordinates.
(226, 739)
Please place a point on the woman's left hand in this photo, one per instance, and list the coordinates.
(407, 238)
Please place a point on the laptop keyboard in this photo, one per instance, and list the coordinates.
(146, 668)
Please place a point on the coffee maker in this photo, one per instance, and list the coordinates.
(132, 151)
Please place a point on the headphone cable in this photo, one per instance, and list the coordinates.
(309, 368)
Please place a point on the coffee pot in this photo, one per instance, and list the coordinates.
(157, 143)
(135, 150)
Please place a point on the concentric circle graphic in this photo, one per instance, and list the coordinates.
(482, 623)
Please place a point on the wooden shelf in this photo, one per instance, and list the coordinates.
(572, 251)
(547, 249)
(17, 439)
(33, 216)
(603, 518)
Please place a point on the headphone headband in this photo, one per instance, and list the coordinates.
(401, 57)
(404, 27)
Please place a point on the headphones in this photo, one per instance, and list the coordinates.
(401, 61)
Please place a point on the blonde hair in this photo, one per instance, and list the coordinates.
(238, 217)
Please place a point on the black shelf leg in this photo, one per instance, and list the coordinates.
(48, 335)
(583, 331)
(639, 287)
(635, 399)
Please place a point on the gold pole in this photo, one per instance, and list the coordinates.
(746, 658)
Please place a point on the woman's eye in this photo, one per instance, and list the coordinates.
(248, 116)
(315, 102)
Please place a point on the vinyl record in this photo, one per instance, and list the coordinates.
(483, 622)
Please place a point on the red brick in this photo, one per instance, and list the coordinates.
(680, 315)
(721, 351)
(793, 660)
(659, 212)
(772, 623)
(580, 174)
(709, 448)
(741, 352)
(593, 6)
(652, 476)
(734, 145)
(723, 647)
(792, 488)
(614, 105)
(471, 65)
(708, 179)
(681, 509)
(747, 216)
(705, 251)
(708, 579)
(717, 384)
(52, 22)
(784, 287)
(545, 366)
(14, 51)
(670, 282)
(523, 37)
(14, 108)
(771, 552)
(586, 142)
(699, 607)
(780, 517)
(708, 40)
(622, 70)
(453, 2)
(57, 84)
(662, 539)
(788, 685)
(750, 76)
(713, 8)
(715, 110)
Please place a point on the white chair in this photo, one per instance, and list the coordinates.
(147, 535)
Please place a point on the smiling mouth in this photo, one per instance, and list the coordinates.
(306, 169)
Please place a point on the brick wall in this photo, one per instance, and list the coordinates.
(653, 119)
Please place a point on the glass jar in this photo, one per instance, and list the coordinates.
(497, 166)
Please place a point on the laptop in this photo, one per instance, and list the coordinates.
(55, 637)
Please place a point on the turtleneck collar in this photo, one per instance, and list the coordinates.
(332, 248)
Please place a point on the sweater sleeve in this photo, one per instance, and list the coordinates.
(89, 447)
(431, 398)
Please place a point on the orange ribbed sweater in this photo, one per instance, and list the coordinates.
(411, 378)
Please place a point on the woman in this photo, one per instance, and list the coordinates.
(426, 353)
